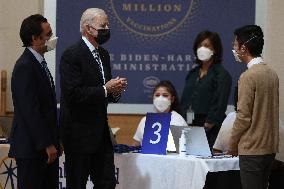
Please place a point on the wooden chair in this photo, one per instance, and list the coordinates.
(3, 102)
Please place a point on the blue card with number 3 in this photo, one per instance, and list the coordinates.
(156, 133)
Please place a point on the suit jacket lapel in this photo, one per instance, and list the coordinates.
(41, 70)
(89, 58)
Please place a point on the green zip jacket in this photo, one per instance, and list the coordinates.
(207, 95)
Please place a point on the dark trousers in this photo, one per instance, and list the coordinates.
(99, 166)
(223, 180)
(36, 173)
(255, 170)
(211, 134)
(276, 175)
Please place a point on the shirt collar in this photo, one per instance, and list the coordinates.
(90, 46)
(36, 54)
(254, 61)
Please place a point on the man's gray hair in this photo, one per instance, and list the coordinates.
(88, 16)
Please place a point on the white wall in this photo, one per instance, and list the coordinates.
(261, 19)
(275, 44)
(12, 13)
(49, 13)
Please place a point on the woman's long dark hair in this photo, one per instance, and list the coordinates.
(171, 89)
(216, 43)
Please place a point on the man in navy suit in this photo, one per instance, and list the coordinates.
(34, 134)
(86, 88)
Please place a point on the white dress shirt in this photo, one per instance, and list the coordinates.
(254, 61)
(92, 48)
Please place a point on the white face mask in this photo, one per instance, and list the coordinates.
(204, 53)
(237, 58)
(161, 103)
(51, 43)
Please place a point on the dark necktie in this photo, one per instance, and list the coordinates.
(44, 65)
(99, 61)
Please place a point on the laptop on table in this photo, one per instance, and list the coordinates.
(198, 144)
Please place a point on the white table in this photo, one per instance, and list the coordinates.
(145, 171)
(142, 171)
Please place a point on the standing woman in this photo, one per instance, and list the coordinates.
(207, 86)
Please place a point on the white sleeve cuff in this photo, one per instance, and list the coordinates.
(105, 90)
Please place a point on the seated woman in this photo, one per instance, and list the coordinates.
(165, 100)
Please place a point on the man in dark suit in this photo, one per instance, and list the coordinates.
(86, 89)
(34, 134)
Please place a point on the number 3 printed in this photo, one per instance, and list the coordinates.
(157, 132)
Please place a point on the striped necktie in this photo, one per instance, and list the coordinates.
(99, 61)
(44, 65)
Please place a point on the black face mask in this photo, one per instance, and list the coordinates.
(103, 36)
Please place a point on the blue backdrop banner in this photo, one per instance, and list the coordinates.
(151, 40)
